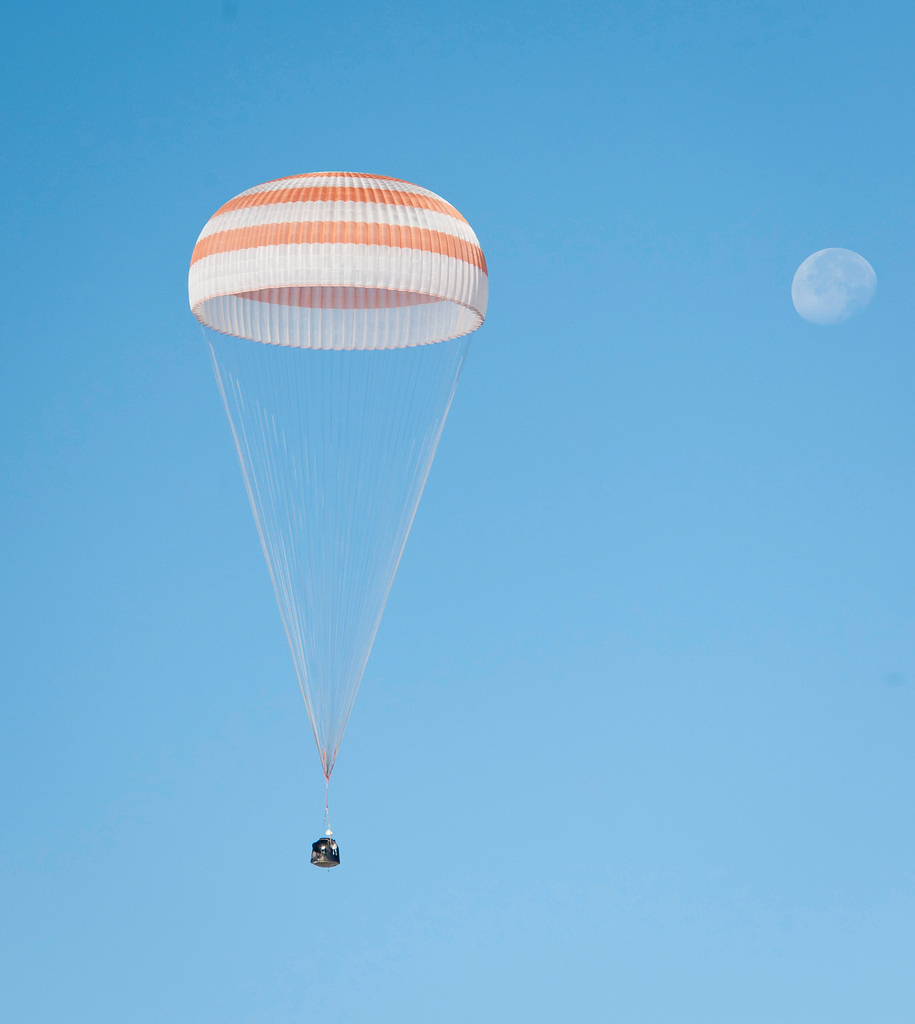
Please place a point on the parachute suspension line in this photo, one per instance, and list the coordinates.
(328, 831)
(243, 448)
(335, 449)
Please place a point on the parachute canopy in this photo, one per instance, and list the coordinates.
(343, 304)
(339, 261)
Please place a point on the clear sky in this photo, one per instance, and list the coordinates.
(635, 741)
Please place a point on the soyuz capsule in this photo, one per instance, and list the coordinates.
(325, 853)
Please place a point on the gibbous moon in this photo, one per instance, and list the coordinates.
(832, 285)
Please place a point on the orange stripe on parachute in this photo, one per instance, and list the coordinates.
(341, 174)
(337, 194)
(339, 297)
(337, 232)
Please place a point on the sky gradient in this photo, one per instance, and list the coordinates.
(635, 741)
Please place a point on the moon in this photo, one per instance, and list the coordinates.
(832, 285)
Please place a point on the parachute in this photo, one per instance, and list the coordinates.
(339, 309)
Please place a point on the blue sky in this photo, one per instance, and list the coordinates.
(643, 699)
